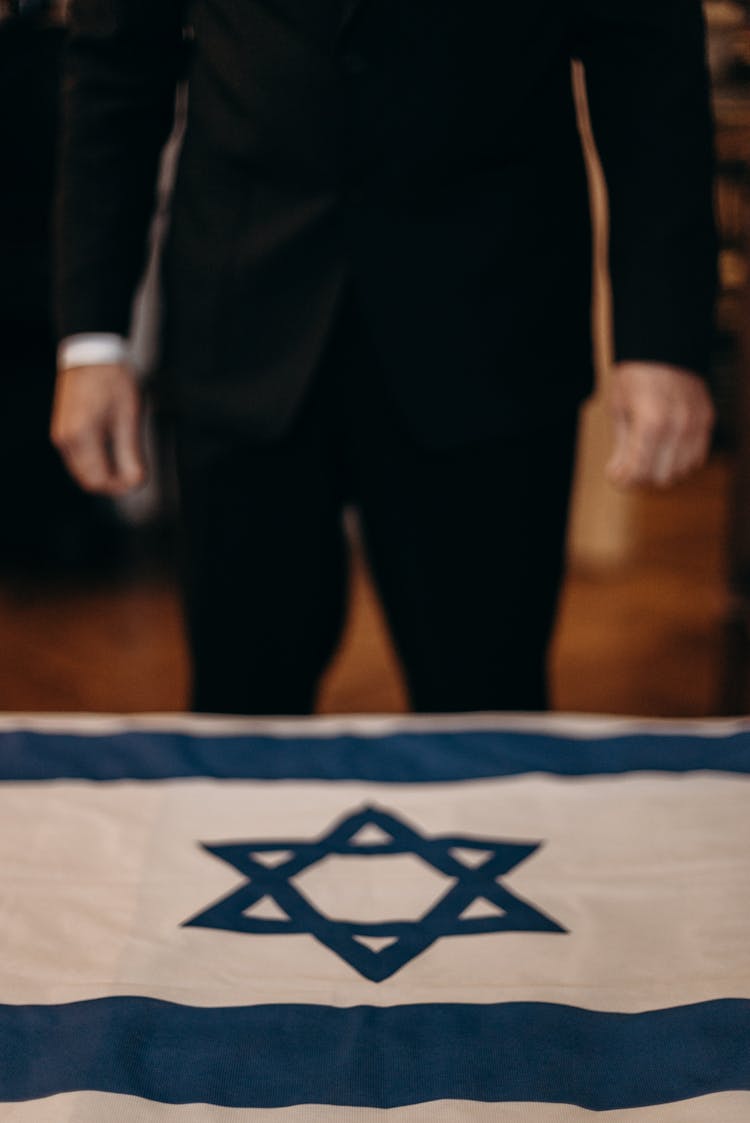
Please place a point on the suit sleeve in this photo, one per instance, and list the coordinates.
(122, 64)
(649, 101)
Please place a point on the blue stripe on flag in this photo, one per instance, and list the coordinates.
(276, 1056)
(399, 758)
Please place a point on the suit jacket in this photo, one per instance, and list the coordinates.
(425, 151)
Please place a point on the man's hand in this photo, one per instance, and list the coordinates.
(96, 426)
(663, 418)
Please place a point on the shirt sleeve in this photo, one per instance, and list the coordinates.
(92, 349)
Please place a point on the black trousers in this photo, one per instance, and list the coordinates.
(466, 546)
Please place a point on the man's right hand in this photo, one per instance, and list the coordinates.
(96, 426)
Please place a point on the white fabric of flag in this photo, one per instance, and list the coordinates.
(542, 920)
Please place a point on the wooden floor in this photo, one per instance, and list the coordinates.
(646, 638)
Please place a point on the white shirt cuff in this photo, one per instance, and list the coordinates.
(92, 349)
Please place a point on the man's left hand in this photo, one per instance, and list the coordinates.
(663, 418)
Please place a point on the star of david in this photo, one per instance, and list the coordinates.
(476, 902)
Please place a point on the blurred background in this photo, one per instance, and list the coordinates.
(655, 614)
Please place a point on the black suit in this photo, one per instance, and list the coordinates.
(422, 154)
(429, 147)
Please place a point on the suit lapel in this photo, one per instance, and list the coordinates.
(318, 20)
(349, 12)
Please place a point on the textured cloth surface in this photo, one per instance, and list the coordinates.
(469, 919)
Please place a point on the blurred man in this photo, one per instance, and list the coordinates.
(377, 289)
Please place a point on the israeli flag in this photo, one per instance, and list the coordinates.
(516, 920)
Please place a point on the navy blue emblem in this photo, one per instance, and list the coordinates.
(475, 902)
